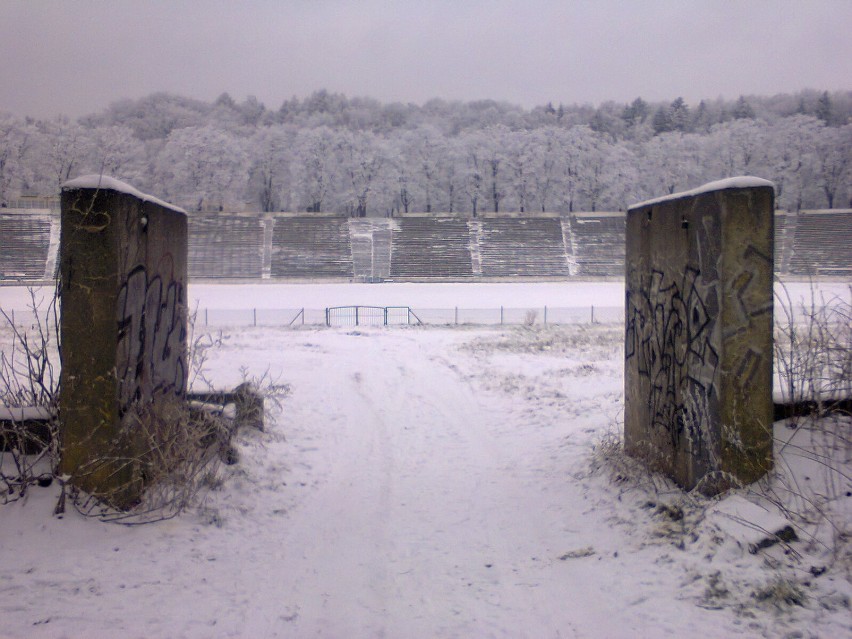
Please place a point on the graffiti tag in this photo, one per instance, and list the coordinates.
(151, 338)
(670, 333)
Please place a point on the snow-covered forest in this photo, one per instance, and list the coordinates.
(357, 156)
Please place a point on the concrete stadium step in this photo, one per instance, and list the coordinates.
(431, 247)
(311, 246)
(25, 245)
(821, 245)
(222, 246)
(529, 247)
(599, 244)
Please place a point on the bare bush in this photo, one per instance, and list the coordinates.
(813, 359)
(813, 352)
(29, 393)
(175, 457)
(201, 343)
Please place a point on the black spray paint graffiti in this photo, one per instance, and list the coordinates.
(151, 338)
(670, 330)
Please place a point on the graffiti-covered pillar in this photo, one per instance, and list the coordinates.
(698, 342)
(123, 276)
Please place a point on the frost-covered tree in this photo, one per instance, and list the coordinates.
(60, 150)
(520, 149)
(475, 151)
(702, 119)
(429, 154)
(401, 185)
(824, 110)
(14, 141)
(743, 110)
(670, 163)
(313, 169)
(545, 145)
(270, 152)
(791, 158)
(679, 116)
(361, 157)
(592, 174)
(118, 153)
(452, 176)
(737, 147)
(203, 167)
(579, 145)
(153, 116)
(636, 113)
(834, 161)
(674, 117)
(251, 111)
(443, 155)
(490, 149)
(622, 177)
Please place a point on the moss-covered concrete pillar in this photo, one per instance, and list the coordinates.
(123, 272)
(698, 342)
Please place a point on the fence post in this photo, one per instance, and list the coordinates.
(501, 316)
(356, 317)
(386, 315)
(205, 317)
(545, 316)
(303, 316)
(457, 315)
(327, 318)
(254, 316)
(593, 313)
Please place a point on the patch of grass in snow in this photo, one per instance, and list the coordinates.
(780, 593)
(811, 484)
(727, 572)
(598, 341)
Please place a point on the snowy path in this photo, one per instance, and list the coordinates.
(432, 513)
(415, 483)
(421, 524)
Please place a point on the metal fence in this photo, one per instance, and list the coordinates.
(405, 315)
(370, 316)
(400, 315)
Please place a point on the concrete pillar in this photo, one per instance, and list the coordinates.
(698, 341)
(123, 273)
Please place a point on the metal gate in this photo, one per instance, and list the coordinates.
(369, 316)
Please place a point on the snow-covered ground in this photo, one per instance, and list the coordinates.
(439, 482)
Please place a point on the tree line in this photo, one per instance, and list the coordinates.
(357, 156)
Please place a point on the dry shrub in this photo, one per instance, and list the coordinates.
(29, 392)
(174, 457)
(813, 352)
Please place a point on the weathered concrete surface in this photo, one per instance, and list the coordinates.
(123, 271)
(699, 346)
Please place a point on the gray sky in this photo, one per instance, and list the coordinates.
(76, 57)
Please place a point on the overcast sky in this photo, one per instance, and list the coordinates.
(76, 57)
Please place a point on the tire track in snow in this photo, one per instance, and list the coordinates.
(425, 521)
